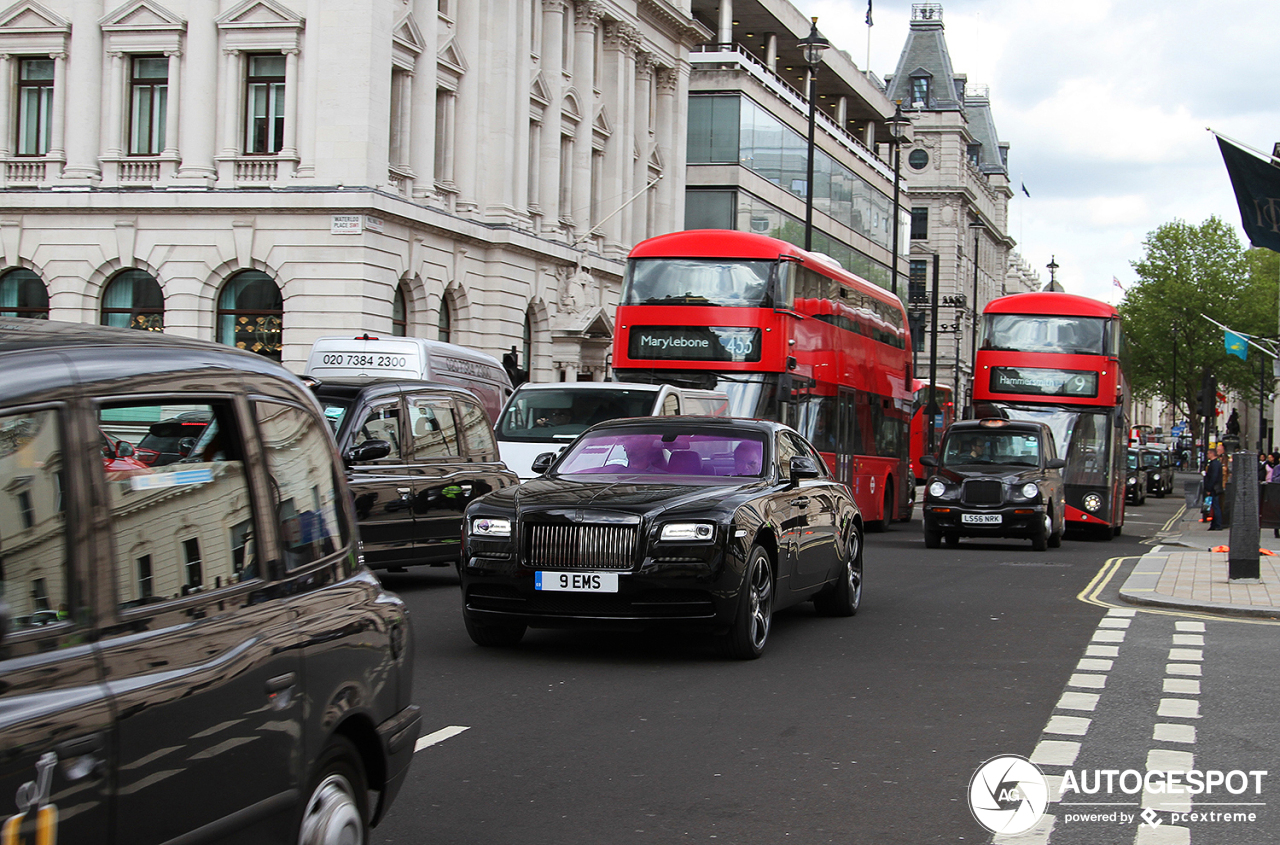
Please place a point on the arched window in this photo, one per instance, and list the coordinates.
(251, 314)
(526, 343)
(444, 324)
(22, 294)
(400, 314)
(133, 300)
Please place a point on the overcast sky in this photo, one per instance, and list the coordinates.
(1104, 107)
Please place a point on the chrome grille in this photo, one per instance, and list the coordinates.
(596, 547)
(983, 492)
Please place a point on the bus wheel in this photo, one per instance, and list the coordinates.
(878, 525)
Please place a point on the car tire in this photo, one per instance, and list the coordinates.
(749, 631)
(932, 539)
(845, 595)
(1055, 538)
(951, 538)
(1040, 537)
(337, 805)
(493, 634)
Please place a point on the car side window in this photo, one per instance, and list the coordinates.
(435, 431)
(786, 451)
(476, 429)
(807, 449)
(183, 527)
(670, 405)
(382, 422)
(34, 579)
(303, 486)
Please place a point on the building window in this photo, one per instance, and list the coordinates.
(444, 323)
(445, 102)
(916, 282)
(149, 87)
(526, 344)
(264, 132)
(133, 300)
(919, 224)
(146, 583)
(26, 509)
(251, 314)
(194, 572)
(974, 153)
(399, 314)
(35, 105)
(23, 294)
(920, 90)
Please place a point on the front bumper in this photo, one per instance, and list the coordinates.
(1015, 520)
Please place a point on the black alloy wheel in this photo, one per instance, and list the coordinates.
(749, 631)
(844, 596)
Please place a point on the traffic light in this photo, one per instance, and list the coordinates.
(1208, 404)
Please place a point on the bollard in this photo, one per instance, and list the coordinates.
(1242, 561)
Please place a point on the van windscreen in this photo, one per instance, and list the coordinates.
(564, 413)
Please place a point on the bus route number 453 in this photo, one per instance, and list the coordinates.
(576, 582)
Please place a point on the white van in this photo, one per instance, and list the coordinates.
(412, 358)
(547, 417)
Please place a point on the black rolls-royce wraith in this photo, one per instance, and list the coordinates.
(698, 522)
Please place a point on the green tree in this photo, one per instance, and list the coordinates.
(1190, 271)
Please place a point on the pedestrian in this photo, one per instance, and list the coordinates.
(1214, 486)
(1274, 474)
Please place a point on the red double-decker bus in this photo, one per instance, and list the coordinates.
(944, 396)
(1055, 358)
(788, 335)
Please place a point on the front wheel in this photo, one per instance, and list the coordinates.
(845, 595)
(1040, 538)
(335, 812)
(932, 538)
(749, 630)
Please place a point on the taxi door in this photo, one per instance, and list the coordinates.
(383, 489)
(55, 716)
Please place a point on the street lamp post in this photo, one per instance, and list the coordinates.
(897, 122)
(812, 46)
(1052, 267)
(973, 352)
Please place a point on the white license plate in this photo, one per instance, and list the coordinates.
(576, 582)
(981, 518)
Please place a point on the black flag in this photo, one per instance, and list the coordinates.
(1257, 186)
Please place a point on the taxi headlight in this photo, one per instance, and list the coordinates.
(1092, 502)
(937, 489)
(486, 527)
(1156, 476)
(687, 531)
(1133, 481)
(1030, 490)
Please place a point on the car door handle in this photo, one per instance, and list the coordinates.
(281, 682)
(404, 492)
(80, 757)
(801, 502)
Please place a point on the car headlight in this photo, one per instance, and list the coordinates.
(1133, 481)
(1092, 502)
(937, 489)
(487, 527)
(1156, 476)
(676, 531)
(1030, 490)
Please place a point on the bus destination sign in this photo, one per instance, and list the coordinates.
(1040, 382)
(695, 343)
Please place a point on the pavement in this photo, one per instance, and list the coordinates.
(1182, 572)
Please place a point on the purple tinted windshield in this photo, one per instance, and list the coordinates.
(630, 453)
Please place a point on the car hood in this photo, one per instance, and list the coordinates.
(1006, 474)
(614, 494)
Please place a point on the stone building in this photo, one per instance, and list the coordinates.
(960, 194)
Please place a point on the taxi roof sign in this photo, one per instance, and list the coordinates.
(994, 423)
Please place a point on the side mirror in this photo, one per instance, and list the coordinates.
(369, 450)
(1056, 463)
(803, 466)
(124, 449)
(185, 445)
(543, 462)
(928, 461)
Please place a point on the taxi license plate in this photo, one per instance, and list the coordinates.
(576, 582)
(981, 518)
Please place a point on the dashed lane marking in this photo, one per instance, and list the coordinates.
(438, 737)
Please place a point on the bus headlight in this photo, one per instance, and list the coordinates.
(937, 489)
(1093, 503)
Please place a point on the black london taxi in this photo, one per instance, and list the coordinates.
(695, 523)
(995, 478)
(1136, 478)
(417, 453)
(189, 651)
(1158, 461)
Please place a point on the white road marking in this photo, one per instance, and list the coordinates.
(437, 737)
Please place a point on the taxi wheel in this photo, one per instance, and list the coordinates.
(932, 539)
(336, 810)
(1040, 539)
(1055, 537)
(493, 634)
(749, 630)
(845, 595)
(951, 538)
